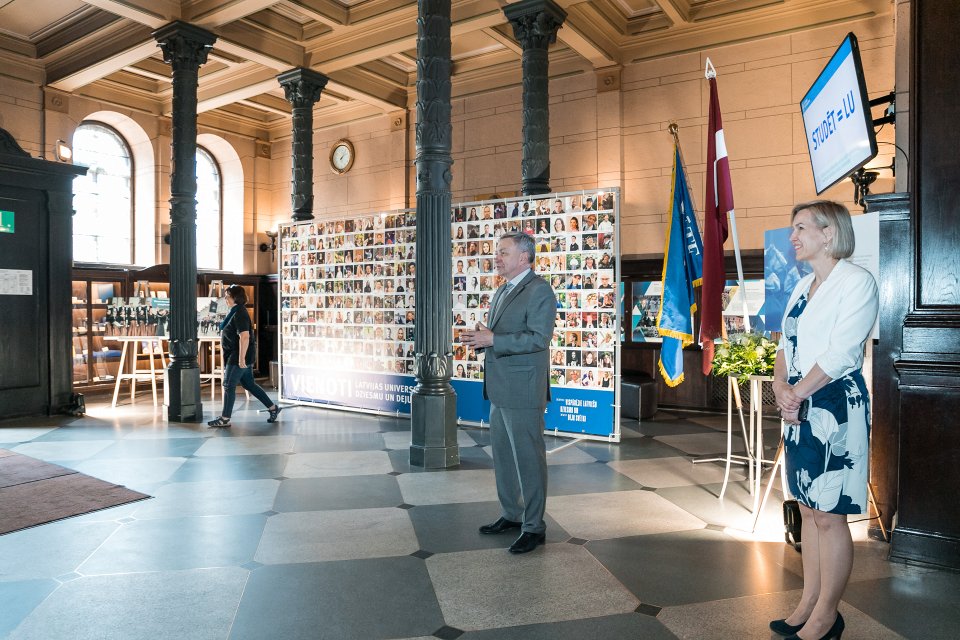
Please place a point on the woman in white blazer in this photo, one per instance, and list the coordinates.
(823, 399)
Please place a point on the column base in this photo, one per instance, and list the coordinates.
(181, 394)
(434, 431)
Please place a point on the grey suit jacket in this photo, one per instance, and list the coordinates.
(517, 366)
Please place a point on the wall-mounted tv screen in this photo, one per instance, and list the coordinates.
(836, 118)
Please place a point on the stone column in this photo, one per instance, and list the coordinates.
(185, 48)
(535, 24)
(302, 87)
(434, 402)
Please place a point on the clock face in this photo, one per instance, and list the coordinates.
(341, 156)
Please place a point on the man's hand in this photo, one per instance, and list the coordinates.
(478, 338)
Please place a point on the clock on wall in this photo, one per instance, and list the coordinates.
(341, 156)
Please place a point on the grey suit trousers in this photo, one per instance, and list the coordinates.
(520, 465)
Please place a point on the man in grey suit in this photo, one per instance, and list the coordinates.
(517, 383)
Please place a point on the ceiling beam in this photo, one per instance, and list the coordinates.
(574, 37)
(358, 86)
(256, 45)
(395, 37)
(504, 39)
(214, 13)
(151, 13)
(239, 85)
(93, 63)
(677, 11)
(328, 12)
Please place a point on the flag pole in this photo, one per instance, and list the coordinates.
(710, 72)
(674, 130)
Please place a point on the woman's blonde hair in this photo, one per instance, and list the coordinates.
(827, 213)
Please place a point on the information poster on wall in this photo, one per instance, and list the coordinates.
(647, 297)
(347, 291)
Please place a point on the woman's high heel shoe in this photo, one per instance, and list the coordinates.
(781, 627)
(833, 633)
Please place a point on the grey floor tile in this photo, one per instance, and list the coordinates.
(52, 549)
(197, 604)
(210, 498)
(617, 514)
(137, 473)
(626, 625)
(63, 450)
(675, 471)
(922, 605)
(19, 598)
(323, 494)
(697, 443)
(352, 600)
(735, 510)
(661, 427)
(553, 583)
(628, 449)
(401, 439)
(748, 617)
(319, 442)
(586, 478)
(691, 566)
(347, 534)
(155, 448)
(444, 528)
(447, 486)
(256, 467)
(11, 434)
(337, 463)
(246, 445)
(177, 543)
(471, 459)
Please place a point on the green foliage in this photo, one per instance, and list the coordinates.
(745, 355)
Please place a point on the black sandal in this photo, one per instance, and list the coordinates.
(220, 421)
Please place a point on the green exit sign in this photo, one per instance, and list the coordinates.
(6, 221)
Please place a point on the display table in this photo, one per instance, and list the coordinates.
(153, 345)
(752, 434)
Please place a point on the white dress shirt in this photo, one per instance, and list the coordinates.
(835, 324)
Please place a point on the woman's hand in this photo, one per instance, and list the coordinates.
(787, 399)
(790, 417)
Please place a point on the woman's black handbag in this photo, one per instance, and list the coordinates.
(791, 523)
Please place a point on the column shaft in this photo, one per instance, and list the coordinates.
(185, 48)
(535, 24)
(302, 88)
(434, 421)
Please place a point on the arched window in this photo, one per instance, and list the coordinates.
(102, 199)
(209, 210)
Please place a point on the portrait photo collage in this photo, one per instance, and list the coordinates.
(347, 286)
(576, 246)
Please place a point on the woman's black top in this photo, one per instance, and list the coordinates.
(230, 337)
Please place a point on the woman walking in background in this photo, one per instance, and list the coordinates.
(823, 399)
(239, 351)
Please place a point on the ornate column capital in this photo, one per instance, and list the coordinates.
(302, 86)
(184, 45)
(535, 22)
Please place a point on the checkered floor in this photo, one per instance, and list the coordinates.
(317, 527)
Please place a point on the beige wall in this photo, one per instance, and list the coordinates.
(612, 138)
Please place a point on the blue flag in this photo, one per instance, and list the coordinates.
(682, 271)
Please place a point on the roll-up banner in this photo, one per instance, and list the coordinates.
(347, 288)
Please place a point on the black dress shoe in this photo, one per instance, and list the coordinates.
(500, 526)
(833, 633)
(782, 628)
(527, 542)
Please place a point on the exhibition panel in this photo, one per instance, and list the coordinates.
(347, 306)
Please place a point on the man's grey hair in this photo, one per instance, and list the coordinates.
(524, 242)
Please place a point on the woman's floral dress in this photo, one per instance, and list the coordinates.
(827, 455)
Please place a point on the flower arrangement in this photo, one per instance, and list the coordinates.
(745, 355)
